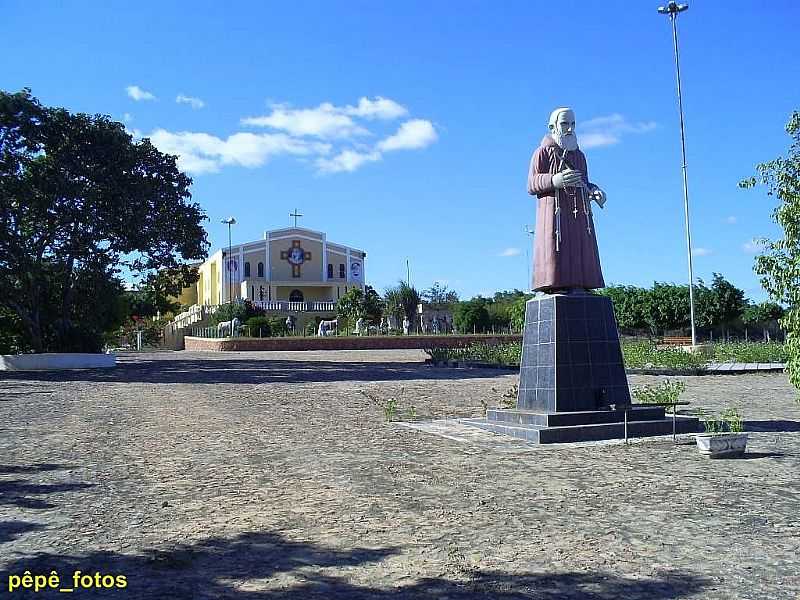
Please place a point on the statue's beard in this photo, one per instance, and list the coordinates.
(567, 141)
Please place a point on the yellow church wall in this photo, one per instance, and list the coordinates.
(188, 296)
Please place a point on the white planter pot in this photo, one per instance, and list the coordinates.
(56, 361)
(721, 445)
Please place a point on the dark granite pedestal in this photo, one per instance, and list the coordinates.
(572, 384)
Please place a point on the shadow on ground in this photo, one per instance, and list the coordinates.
(252, 371)
(255, 566)
(25, 494)
(17, 492)
(11, 530)
(777, 425)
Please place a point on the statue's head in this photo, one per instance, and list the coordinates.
(562, 128)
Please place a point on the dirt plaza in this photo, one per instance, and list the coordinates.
(276, 475)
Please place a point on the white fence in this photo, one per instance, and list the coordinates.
(284, 306)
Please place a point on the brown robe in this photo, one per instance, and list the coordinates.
(576, 264)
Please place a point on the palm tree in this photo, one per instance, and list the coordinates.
(402, 301)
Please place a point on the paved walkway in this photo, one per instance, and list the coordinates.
(275, 476)
(745, 367)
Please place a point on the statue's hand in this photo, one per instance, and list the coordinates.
(568, 178)
(598, 196)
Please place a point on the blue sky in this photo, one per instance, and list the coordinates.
(431, 166)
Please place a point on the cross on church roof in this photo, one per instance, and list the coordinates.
(295, 214)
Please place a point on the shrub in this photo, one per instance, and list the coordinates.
(666, 391)
(242, 310)
(729, 420)
(278, 327)
(259, 326)
(502, 354)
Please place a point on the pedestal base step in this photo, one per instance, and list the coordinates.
(591, 432)
(524, 418)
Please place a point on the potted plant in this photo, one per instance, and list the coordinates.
(724, 436)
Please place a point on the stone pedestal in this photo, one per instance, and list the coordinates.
(572, 384)
(571, 357)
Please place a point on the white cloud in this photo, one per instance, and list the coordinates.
(204, 153)
(195, 103)
(701, 251)
(138, 94)
(347, 160)
(510, 252)
(325, 121)
(597, 140)
(342, 144)
(379, 108)
(417, 133)
(753, 246)
(731, 220)
(609, 130)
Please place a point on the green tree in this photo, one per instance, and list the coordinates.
(244, 310)
(631, 305)
(472, 316)
(357, 303)
(439, 293)
(79, 199)
(667, 307)
(762, 315)
(402, 301)
(719, 305)
(350, 308)
(373, 305)
(517, 312)
(779, 264)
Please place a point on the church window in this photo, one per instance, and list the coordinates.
(341, 271)
(330, 271)
(295, 296)
(261, 269)
(247, 269)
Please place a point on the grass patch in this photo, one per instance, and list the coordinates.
(751, 352)
(498, 354)
(636, 355)
(645, 355)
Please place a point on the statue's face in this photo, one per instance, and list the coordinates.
(562, 128)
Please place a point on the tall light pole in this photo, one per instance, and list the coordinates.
(672, 9)
(229, 221)
(528, 248)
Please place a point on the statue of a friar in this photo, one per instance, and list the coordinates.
(565, 245)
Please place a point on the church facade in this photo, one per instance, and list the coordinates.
(290, 270)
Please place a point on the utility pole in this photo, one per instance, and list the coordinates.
(672, 9)
(229, 221)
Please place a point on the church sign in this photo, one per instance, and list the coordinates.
(355, 270)
(295, 256)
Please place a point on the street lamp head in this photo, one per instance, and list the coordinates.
(229, 221)
(672, 8)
